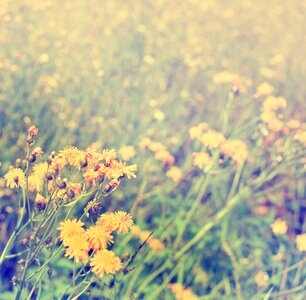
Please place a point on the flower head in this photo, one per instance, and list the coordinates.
(301, 242)
(15, 178)
(98, 237)
(279, 227)
(69, 229)
(105, 262)
(78, 247)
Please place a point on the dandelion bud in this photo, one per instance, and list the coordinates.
(32, 158)
(125, 257)
(108, 188)
(14, 280)
(18, 163)
(29, 140)
(49, 273)
(83, 163)
(21, 262)
(70, 193)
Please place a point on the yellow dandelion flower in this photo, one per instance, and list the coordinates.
(98, 237)
(78, 247)
(225, 77)
(40, 170)
(15, 178)
(272, 103)
(105, 262)
(197, 131)
(301, 242)
(175, 174)
(182, 293)
(202, 160)
(212, 139)
(264, 89)
(73, 156)
(123, 220)
(127, 152)
(70, 229)
(107, 222)
(279, 227)
(235, 149)
(262, 279)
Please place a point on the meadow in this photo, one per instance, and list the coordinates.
(152, 149)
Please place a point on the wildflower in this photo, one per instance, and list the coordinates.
(35, 183)
(40, 170)
(182, 293)
(279, 227)
(40, 201)
(127, 152)
(108, 156)
(201, 160)
(144, 143)
(159, 115)
(235, 149)
(43, 58)
(119, 169)
(261, 279)
(212, 139)
(175, 174)
(32, 131)
(15, 178)
(293, 124)
(78, 248)
(98, 237)
(225, 77)
(123, 220)
(165, 157)
(300, 136)
(76, 188)
(91, 177)
(105, 262)
(73, 156)
(264, 89)
(37, 152)
(107, 222)
(58, 163)
(197, 131)
(273, 103)
(301, 242)
(70, 229)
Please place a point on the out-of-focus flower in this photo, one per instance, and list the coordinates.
(197, 131)
(182, 293)
(202, 160)
(37, 152)
(301, 242)
(175, 174)
(225, 77)
(32, 131)
(235, 149)
(73, 156)
(279, 227)
(158, 115)
(212, 139)
(40, 201)
(127, 152)
(300, 136)
(264, 89)
(43, 58)
(261, 279)
(15, 178)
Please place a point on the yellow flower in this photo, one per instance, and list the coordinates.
(300, 136)
(69, 229)
(40, 170)
(182, 293)
(15, 178)
(197, 131)
(127, 152)
(262, 279)
(108, 155)
(43, 58)
(201, 160)
(78, 248)
(175, 174)
(301, 242)
(212, 139)
(73, 156)
(279, 227)
(225, 77)
(98, 237)
(264, 89)
(235, 149)
(105, 262)
(273, 103)
(159, 115)
(165, 157)
(107, 222)
(123, 220)
(294, 124)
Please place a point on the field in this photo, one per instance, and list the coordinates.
(152, 149)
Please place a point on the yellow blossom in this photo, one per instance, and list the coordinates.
(127, 152)
(301, 242)
(279, 227)
(77, 248)
(202, 160)
(105, 262)
(15, 178)
(175, 174)
(69, 229)
(98, 237)
(264, 89)
(212, 139)
(225, 77)
(235, 149)
(73, 156)
(182, 293)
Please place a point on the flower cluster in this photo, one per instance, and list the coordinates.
(79, 241)
(161, 153)
(155, 244)
(182, 293)
(234, 149)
